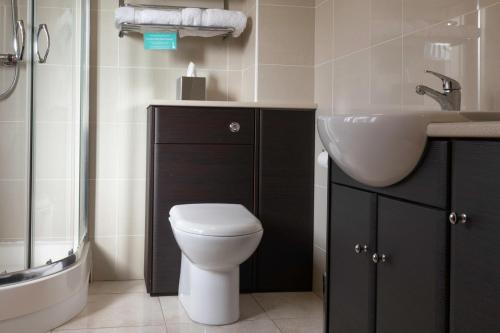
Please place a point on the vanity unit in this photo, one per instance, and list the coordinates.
(422, 255)
(257, 155)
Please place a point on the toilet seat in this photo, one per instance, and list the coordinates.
(220, 220)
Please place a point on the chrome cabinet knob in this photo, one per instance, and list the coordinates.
(234, 127)
(453, 218)
(380, 258)
(358, 248)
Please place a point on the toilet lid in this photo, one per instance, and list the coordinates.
(214, 219)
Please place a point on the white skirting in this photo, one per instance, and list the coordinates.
(40, 305)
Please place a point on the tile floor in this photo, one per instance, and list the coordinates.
(125, 307)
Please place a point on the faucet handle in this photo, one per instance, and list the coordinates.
(449, 84)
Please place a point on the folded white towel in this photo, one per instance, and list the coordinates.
(225, 18)
(124, 15)
(191, 16)
(152, 16)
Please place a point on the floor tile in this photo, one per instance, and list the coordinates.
(146, 329)
(119, 310)
(255, 326)
(173, 312)
(117, 287)
(250, 309)
(302, 325)
(291, 305)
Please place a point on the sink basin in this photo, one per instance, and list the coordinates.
(382, 149)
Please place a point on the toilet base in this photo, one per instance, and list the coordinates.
(209, 297)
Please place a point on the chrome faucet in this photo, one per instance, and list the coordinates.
(450, 98)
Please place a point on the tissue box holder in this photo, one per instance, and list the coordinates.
(191, 88)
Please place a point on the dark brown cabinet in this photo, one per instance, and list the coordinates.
(207, 155)
(437, 246)
(411, 284)
(475, 238)
(353, 232)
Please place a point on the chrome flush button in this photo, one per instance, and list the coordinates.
(234, 127)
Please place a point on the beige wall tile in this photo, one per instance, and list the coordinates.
(13, 210)
(130, 148)
(234, 85)
(53, 210)
(386, 74)
(130, 257)
(351, 26)
(323, 35)
(248, 84)
(323, 82)
(386, 20)
(103, 258)
(131, 207)
(103, 208)
(54, 101)
(351, 85)
(424, 13)
(286, 83)
(13, 150)
(104, 38)
(103, 151)
(490, 60)
(293, 27)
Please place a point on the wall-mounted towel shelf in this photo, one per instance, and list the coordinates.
(126, 28)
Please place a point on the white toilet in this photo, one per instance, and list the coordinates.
(214, 239)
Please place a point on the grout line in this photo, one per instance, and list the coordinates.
(162, 312)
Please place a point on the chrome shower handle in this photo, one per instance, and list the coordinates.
(19, 45)
(42, 28)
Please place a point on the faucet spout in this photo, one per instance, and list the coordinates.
(450, 99)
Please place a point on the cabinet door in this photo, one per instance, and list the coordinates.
(286, 193)
(411, 285)
(475, 245)
(195, 174)
(351, 299)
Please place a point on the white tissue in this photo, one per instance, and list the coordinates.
(191, 71)
(323, 159)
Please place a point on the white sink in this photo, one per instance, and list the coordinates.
(382, 149)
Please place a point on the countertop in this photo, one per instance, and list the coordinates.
(476, 129)
(224, 104)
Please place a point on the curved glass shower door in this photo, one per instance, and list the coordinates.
(55, 130)
(43, 133)
(15, 113)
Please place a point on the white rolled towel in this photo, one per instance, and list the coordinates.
(225, 18)
(191, 16)
(152, 16)
(124, 15)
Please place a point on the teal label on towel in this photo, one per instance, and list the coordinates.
(160, 41)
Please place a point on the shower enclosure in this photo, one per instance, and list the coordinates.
(43, 136)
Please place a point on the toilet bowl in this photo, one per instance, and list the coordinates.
(214, 239)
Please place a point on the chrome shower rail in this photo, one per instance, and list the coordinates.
(14, 59)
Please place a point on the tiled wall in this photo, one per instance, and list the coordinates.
(125, 79)
(286, 50)
(371, 54)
